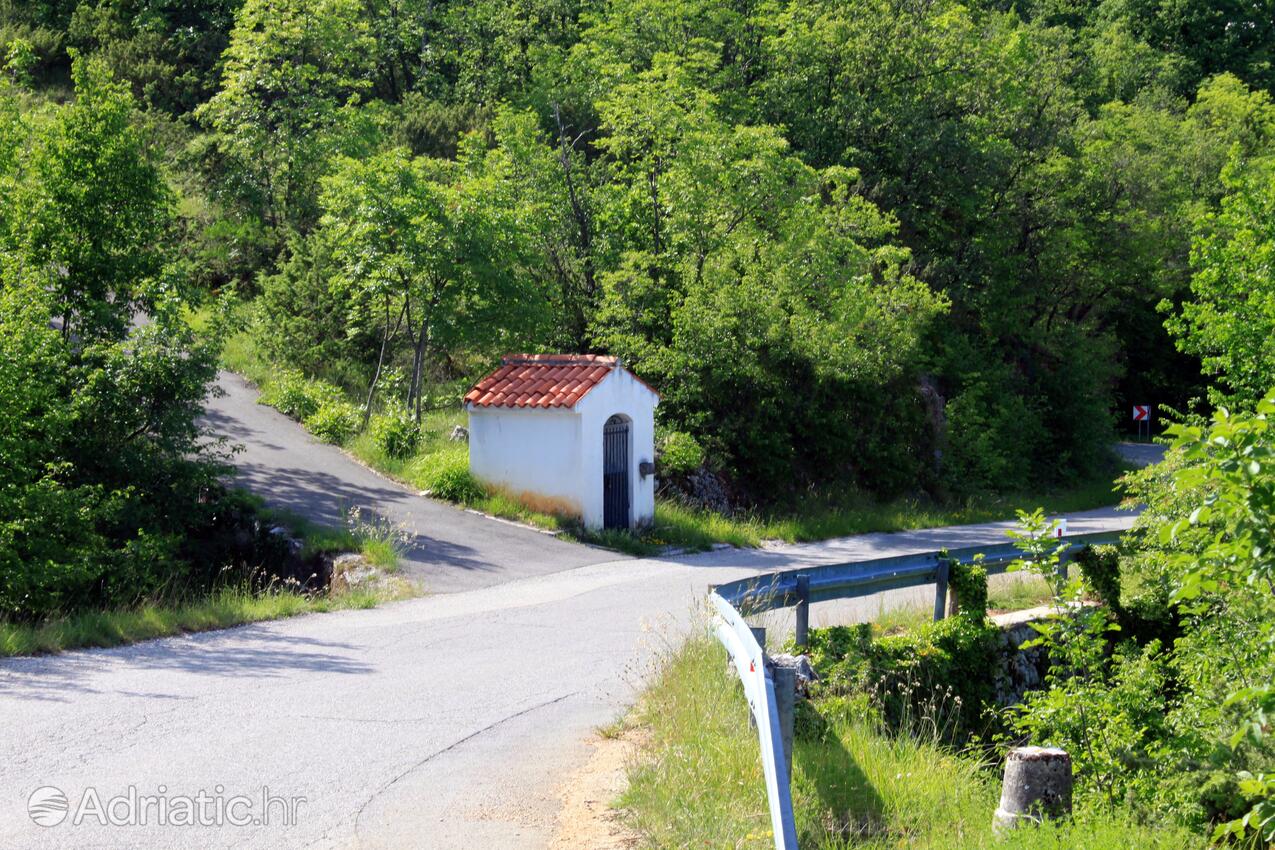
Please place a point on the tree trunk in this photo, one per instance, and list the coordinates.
(380, 360)
(418, 367)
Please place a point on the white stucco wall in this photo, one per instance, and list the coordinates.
(531, 453)
(551, 458)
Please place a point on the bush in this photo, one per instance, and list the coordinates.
(292, 394)
(335, 421)
(680, 454)
(451, 480)
(395, 433)
(989, 432)
(1110, 716)
(1100, 567)
(935, 677)
(969, 585)
(317, 404)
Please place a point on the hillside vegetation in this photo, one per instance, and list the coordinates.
(876, 253)
(909, 247)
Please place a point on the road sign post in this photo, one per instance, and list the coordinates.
(1142, 418)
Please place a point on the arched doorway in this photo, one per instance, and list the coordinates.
(615, 473)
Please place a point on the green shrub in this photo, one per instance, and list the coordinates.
(1100, 567)
(320, 406)
(395, 433)
(989, 432)
(680, 454)
(968, 583)
(451, 480)
(1108, 713)
(936, 677)
(334, 422)
(292, 394)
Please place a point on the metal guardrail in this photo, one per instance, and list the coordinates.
(803, 586)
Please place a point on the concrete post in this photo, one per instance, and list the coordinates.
(785, 679)
(801, 634)
(1037, 785)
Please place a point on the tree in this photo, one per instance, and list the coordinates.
(106, 478)
(94, 216)
(432, 248)
(167, 49)
(1230, 321)
(291, 68)
(755, 289)
(557, 187)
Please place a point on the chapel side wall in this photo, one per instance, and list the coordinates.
(532, 454)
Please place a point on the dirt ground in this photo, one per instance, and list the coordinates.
(587, 821)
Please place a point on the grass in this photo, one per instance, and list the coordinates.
(697, 781)
(1023, 591)
(824, 516)
(833, 513)
(229, 606)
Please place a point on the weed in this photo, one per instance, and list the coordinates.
(381, 541)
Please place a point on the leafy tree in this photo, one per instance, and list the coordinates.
(94, 214)
(167, 49)
(431, 248)
(1230, 321)
(290, 71)
(746, 274)
(558, 189)
(107, 482)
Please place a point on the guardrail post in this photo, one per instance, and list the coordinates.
(759, 635)
(785, 680)
(802, 630)
(940, 588)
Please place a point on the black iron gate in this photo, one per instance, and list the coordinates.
(615, 473)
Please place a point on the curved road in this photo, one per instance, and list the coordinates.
(439, 722)
(451, 549)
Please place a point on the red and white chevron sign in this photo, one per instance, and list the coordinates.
(1141, 412)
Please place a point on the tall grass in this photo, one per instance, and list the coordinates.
(697, 781)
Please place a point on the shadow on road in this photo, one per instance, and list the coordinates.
(247, 652)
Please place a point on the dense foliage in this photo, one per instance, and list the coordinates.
(1161, 691)
(108, 492)
(897, 244)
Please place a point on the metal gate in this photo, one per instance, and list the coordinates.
(615, 473)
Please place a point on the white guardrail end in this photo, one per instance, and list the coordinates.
(759, 690)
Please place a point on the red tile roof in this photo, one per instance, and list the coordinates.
(541, 380)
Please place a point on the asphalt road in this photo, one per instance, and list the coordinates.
(445, 721)
(1141, 454)
(451, 550)
(439, 722)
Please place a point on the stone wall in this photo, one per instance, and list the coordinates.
(1020, 670)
